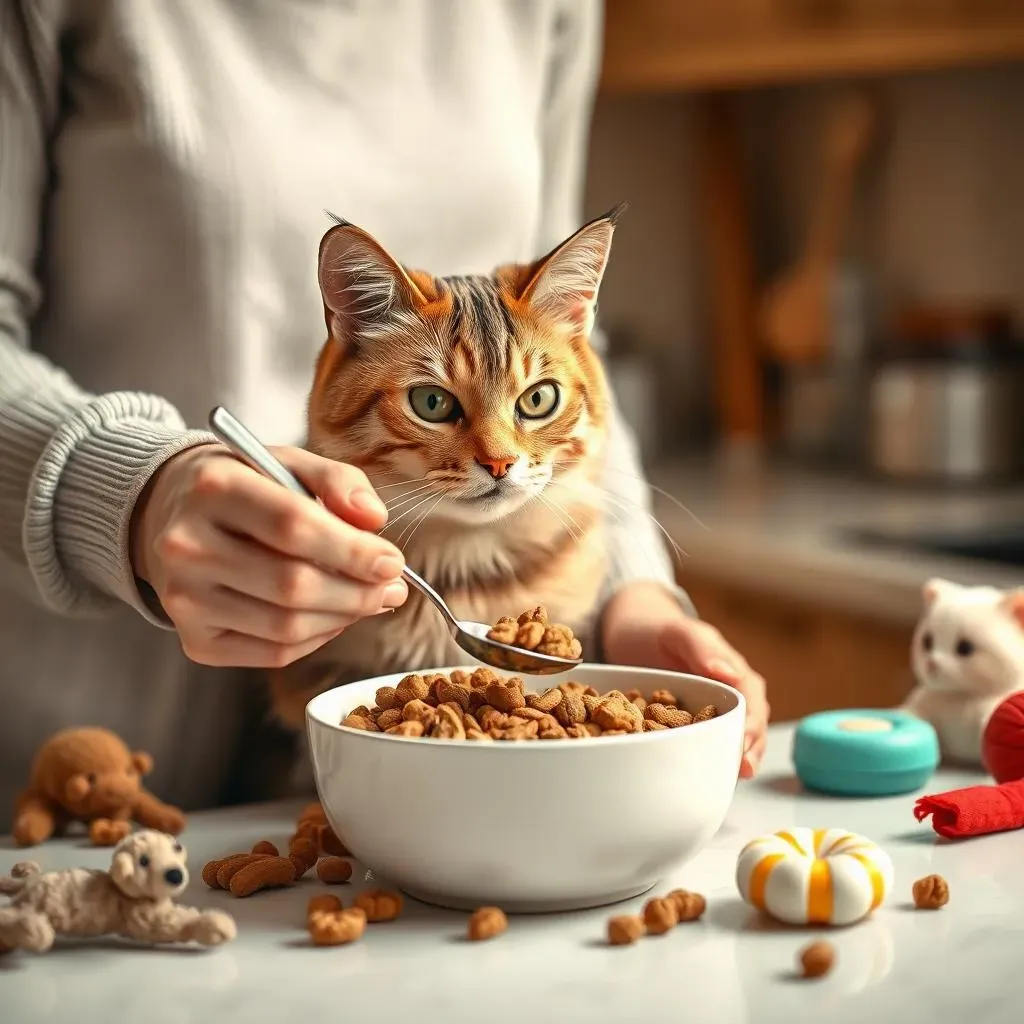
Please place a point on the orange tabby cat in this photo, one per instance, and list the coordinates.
(477, 408)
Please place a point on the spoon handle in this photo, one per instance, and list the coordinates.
(236, 436)
(247, 446)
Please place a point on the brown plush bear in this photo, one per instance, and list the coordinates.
(89, 775)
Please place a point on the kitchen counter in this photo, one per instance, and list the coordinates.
(784, 531)
(731, 967)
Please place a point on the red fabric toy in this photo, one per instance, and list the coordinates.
(981, 810)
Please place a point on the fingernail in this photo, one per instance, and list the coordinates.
(387, 567)
(395, 594)
(368, 502)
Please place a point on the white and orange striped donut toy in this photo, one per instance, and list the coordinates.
(814, 875)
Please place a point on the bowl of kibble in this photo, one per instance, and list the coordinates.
(465, 787)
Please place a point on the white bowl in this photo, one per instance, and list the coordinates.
(529, 826)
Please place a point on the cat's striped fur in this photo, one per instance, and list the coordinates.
(492, 544)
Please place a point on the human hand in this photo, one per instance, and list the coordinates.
(253, 575)
(644, 625)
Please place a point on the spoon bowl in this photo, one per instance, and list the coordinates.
(470, 636)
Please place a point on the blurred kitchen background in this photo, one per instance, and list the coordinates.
(815, 307)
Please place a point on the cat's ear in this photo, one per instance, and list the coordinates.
(936, 588)
(563, 285)
(1013, 602)
(364, 288)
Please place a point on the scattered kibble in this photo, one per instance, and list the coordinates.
(486, 923)
(816, 960)
(931, 892)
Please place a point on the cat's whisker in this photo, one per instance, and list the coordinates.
(419, 504)
(563, 517)
(406, 496)
(625, 505)
(657, 490)
(399, 483)
(423, 518)
(620, 519)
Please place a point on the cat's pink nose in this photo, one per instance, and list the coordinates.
(497, 465)
(931, 665)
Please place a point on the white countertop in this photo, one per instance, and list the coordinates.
(781, 530)
(958, 964)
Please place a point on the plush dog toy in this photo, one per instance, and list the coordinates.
(133, 899)
(89, 775)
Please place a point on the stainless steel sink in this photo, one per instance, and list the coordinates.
(1002, 544)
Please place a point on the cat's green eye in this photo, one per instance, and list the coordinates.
(434, 404)
(538, 402)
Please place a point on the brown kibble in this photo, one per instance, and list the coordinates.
(210, 869)
(483, 677)
(419, 711)
(548, 728)
(671, 718)
(462, 678)
(412, 728)
(389, 719)
(817, 959)
(448, 725)
(333, 870)
(451, 693)
(538, 614)
(486, 923)
(651, 726)
(266, 873)
(338, 928)
(331, 844)
(379, 904)
(358, 722)
(505, 696)
(313, 812)
(305, 849)
(611, 715)
(265, 847)
(530, 635)
(709, 711)
(931, 892)
(690, 906)
(660, 915)
(230, 866)
(387, 698)
(546, 701)
(308, 830)
(625, 930)
(504, 633)
(570, 710)
(665, 697)
(323, 903)
(412, 687)
(529, 714)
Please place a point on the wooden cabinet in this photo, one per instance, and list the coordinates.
(814, 658)
(654, 45)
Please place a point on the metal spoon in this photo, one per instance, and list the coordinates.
(470, 636)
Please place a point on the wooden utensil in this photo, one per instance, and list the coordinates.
(796, 309)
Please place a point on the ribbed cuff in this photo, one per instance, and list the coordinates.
(82, 494)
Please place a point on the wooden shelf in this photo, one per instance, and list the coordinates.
(674, 45)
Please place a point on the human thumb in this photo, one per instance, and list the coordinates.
(345, 490)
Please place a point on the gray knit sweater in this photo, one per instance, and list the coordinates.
(163, 171)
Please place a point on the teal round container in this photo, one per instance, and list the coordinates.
(864, 752)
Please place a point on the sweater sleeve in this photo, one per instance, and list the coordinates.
(71, 463)
(637, 550)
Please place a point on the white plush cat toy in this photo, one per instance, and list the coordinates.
(968, 656)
